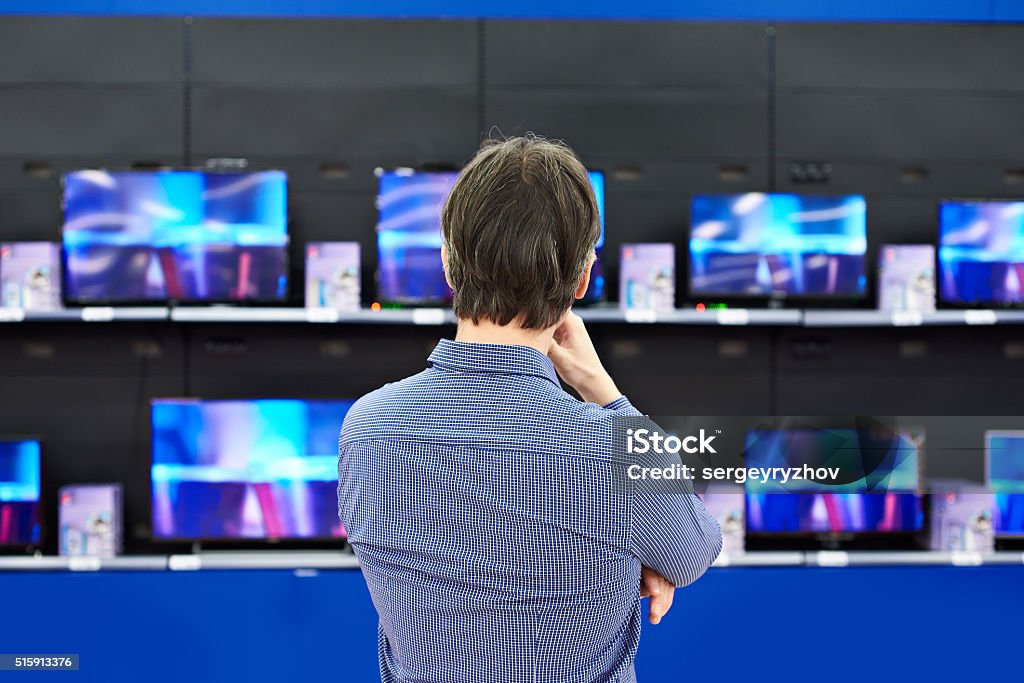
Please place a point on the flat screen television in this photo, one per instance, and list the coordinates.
(409, 270)
(234, 470)
(981, 253)
(877, 502)
(30, 275)
(1004, 475)
(20, 489)
(777, 246)
(142, 237)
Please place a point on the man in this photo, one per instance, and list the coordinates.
(480, 498)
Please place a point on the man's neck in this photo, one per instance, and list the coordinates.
(487, 332)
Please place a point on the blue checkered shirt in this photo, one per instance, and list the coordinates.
(479, 499)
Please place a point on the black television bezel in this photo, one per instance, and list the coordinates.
(914, 539)
(940, 301)
(70, 302)
(447, 302)
(30, 548)
(222, 543)
(774, 301)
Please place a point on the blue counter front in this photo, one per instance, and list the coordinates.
(930, 623)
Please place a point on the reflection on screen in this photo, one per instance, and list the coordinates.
(409, 208)
(981, 252)
(778, 245)
(1004, 462)
(877, 491)
(19, 492)
(246, 469)
(175, 235)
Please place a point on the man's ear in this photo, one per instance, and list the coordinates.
(581, 288)
(444, 264)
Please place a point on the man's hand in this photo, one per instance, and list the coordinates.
(659, 589)
(576, 361)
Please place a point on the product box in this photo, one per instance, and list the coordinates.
(332, 275)
(906, 277)
(647, 277)
(90, 520)
(724, 502)
(961, 516)
(30, 276)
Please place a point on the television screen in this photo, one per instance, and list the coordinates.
(878, 491)
(1004, 465)
(187, 236)
(258, 469)
(20, 470)
(981, 253)
(409, 237)
(778, 245)
(906, 278)
(89, 520)
(30, 275)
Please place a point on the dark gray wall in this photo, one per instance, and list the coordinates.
(903, 113)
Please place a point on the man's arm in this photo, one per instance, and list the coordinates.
(671, 533)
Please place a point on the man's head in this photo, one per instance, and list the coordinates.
(519, 231)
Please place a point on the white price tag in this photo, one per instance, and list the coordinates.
(428, 316)
(97, 314)
(321, 315)
(966, 558)
(12, 315)
(641, 315)
(184, 563)
(832, 558)
(84, 563)
(980, 317)
(733, 316)
(721, 561)
(907, 318)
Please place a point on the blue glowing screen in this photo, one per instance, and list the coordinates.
(175, 235)
(246, 469)
(764, 245)
(19, 492)
(981, 252)
(409, 208)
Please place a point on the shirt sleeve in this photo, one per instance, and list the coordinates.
(671, 531)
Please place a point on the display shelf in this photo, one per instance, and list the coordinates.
(343, 559)
(788, 317)
(97, 314)
(691, 316)
(84, 564)
(227, 314)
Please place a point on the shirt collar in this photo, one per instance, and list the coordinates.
(505, 359)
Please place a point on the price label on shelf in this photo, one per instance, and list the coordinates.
(321, 315)
(734, 316)
(428, 316)
(966, 558)
(97, 314)
(832, 558)
(184, 563)
(907, 318)
(641, 315)
(84, 563)
(980, 317)
(12, 315)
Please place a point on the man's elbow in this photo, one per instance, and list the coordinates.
(703, 552)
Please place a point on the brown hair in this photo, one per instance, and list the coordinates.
(519, 226)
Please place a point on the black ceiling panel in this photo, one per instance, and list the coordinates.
(625, 54)
(335, 53)
(87, 50)
(944, 57)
